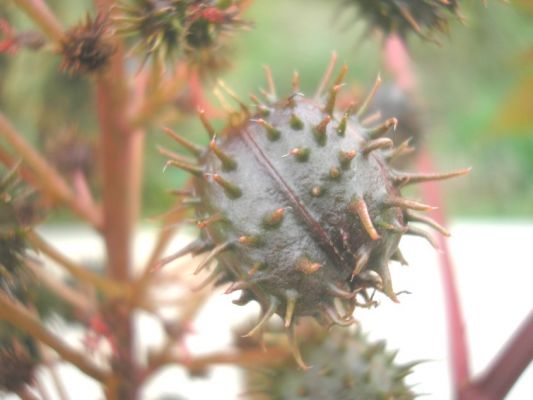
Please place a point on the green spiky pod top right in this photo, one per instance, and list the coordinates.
(298, 205)
(346, 366)
(422, 17)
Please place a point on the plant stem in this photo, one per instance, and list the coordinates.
(51, 180)
(39, 12)
(456, 328)
(499, 378)
(118, 158)
(398, 63)
(22, 319)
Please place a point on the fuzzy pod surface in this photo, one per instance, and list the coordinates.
(346, 366)
(299, 207)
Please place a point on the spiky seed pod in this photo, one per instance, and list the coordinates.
(422, 17)
(168, 29)
(346, 366)
(86, 48)
(343, 214)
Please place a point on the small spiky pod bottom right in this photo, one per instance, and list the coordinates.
(346, 366)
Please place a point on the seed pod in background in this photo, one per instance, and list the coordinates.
(345, 366)
(401, 17)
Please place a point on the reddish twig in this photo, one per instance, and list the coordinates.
(456, 330)
(398, 62)
(499, 378)
(39, 12)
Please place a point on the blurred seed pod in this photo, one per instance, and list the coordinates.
(195, 31)
(345, 365)
(403, 17)
(86, 48)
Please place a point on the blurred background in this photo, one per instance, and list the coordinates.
(476, 102)
(476, 91)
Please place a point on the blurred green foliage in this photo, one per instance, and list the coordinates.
(465, 84)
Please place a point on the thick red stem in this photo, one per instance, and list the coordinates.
(505, 370)
(456, 330)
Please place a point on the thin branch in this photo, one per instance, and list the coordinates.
(51, 180)
(499, 378)
(110, 288)
(22, 319)
(39, 12)
(63, 291)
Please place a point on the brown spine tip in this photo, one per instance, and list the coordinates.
(327, 75)
(359, 208)
(364, 106)
(238, 285)
(228, 163)
(336, 318)
(250, 240)
(341, 129)
(346, 157)
(404, 179)
(291, 296)
(413, 230)
(317, 191)
(334, 173)
(295, 349)
(255, 268)
(191, 168)
(400, 151)
(332, 98)
(231, 190)
(360, 263)
(270, 83)
(262, 110)
(411, 216)
(189, 146)
(204, 223)
(320, 130)
(295, 81)
(274, 219)
(336, 291)
(382, 129)
(377, 144)
(300, 153)
(386, 283)
(207, 125)
(272, 133)
(307, 266)
(269, 312)
(211, 256)
(408, 204)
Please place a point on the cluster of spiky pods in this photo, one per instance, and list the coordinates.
(299, 206)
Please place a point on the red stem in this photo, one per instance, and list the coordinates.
(397, 61)
(505, 370)
(456, 329)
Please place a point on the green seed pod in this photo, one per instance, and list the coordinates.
(308, 218)
(345, 366)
